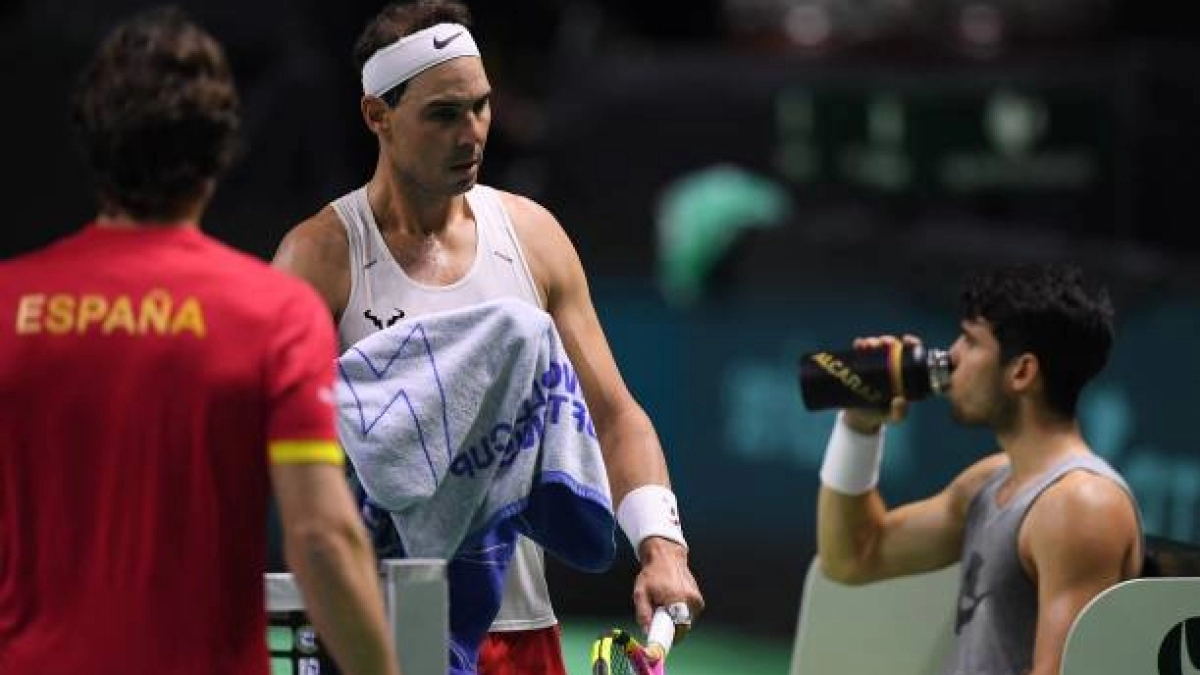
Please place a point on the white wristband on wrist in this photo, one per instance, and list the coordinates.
(650, 511)
(852, 460)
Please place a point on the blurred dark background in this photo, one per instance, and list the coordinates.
(746, 180)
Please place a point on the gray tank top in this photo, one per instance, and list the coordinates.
(381, 293)
(997, 602)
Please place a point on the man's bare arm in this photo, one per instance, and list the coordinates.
(318, 251)
(633, 455)
(1079, 539)
(330, 555)
(859, 540)
(632, 452)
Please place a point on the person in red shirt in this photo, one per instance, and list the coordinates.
(153, 385)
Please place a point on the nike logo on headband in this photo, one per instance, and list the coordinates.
(441, 44)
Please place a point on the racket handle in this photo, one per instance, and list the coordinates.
(661, 634)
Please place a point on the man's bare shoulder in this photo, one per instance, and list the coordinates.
(527, 214)
(552, 257)
(983, 469)
(320, 238)
(539, 231)
(967, 484)
(318, 251)
(1087, 518)
(1084, 498)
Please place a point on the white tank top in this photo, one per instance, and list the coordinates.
(381, 293)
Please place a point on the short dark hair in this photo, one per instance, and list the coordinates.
(1048, 310)
(156, 110)
(398, 20)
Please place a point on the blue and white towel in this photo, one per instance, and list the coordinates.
(468, 427)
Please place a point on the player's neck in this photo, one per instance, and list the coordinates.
(399, 206)
(1035, 444)
(121, 221)
(185, 214)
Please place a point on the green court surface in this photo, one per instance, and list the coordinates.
(711, 650)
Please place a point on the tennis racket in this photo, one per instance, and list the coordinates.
(617, 652)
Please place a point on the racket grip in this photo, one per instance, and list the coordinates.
(661, 634)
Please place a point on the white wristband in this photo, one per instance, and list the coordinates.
(650, 511)
(852, 460)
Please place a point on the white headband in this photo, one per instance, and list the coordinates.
(414, 54)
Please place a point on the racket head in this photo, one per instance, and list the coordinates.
(619, 653)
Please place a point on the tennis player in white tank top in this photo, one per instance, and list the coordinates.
(425, 237)
(380, 292)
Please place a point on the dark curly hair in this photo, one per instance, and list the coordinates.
(156, 110)
(398, 20)
(1048, 310)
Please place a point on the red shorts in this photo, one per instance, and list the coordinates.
(523, 652)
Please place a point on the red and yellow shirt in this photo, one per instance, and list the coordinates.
(147, 378)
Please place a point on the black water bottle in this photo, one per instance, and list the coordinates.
(871, 378)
